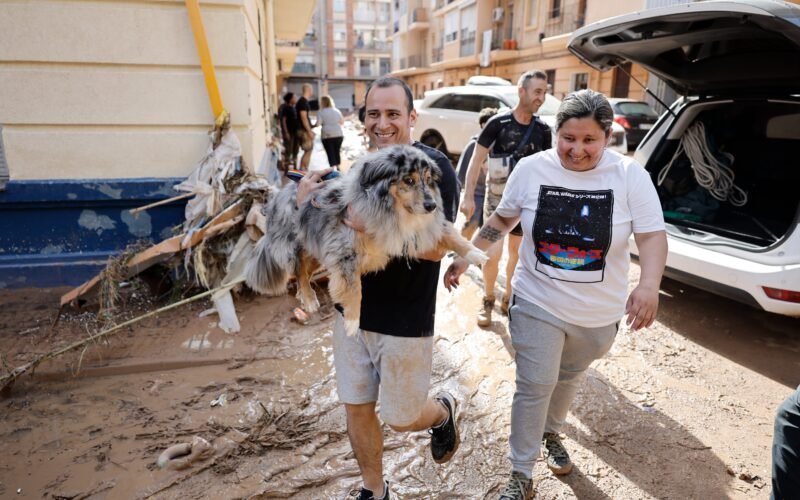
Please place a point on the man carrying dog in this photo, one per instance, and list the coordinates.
(506, 139)
(391, 355)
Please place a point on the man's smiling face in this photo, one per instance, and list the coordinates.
(387, 119)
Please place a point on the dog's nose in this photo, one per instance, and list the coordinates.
(430, 206)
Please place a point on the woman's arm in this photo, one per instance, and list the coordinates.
(493, 230)
(642, 305)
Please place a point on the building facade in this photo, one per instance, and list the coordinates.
(444, 42)
(346, 46)
(105, 107)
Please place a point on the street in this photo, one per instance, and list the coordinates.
(681, 410)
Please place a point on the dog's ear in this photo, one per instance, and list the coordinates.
(377, 167)
(436, 172)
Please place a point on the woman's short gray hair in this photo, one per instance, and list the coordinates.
(583, 103)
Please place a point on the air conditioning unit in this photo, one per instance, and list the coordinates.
(497, 14)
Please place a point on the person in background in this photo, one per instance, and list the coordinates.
(305, 132)
(786, 450)
(474, 223)
(578, 203)
(507, 138)
(287, 116)
(331, 121)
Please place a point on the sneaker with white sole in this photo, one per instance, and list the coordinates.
(365, 494)
(519, 487)
(444, 438)
(556, 455)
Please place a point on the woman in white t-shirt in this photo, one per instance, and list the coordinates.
(578, 204)
(331, 121)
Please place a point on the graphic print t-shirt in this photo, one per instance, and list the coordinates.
(574, 255)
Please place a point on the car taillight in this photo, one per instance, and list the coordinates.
(785, 295)
(623, 121)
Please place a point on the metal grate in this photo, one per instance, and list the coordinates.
(3, 163)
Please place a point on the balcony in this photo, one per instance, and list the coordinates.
(417, 61)
(436, 54)
(304, 68)
(419, 15)
(374, 45)
(467, 43)
(564, 19)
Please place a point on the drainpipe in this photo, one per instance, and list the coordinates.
(271, 78)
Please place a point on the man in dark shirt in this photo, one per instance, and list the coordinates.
(391, 355)
(287, 117)
(506, 139)
(305, 132)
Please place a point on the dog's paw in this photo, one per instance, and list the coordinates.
(351, 326)
(476, 257)
(309, 304)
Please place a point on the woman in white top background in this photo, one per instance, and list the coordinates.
(331, 120)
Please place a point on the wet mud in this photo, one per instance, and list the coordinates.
(681, 410)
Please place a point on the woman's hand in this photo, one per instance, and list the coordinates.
(310, 183)
(454, 272)
(642, 307)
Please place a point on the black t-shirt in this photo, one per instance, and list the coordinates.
(302, 105)
(400, 300)
(503, 133)
(287, 111)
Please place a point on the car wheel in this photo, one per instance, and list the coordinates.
(433, 139)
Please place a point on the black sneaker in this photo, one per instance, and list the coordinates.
(365, 494)
(444, 439)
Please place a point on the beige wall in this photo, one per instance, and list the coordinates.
(110, 89)
(595, 11)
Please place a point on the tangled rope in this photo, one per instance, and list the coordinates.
(711, 173)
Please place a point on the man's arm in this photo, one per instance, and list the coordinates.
(473, 173)
(306, 123)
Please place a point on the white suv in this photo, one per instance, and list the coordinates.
(737, 67)
(448, 117)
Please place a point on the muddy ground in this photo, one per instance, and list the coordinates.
(681, 410)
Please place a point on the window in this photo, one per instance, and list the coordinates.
(339, 35)
(580, 81)
(491, 102)
(555, 9)
(459, 102)
(338, 5)
(385, 65)
(530, 18)
(451, 26)
(551, 80)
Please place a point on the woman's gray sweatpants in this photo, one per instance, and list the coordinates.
(551, 357)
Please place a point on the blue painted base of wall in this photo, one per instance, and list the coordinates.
(61, 233)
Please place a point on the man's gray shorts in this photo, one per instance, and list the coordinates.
(369, 365)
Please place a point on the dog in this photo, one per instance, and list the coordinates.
(394, 191)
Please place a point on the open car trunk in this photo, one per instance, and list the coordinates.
(763, 137)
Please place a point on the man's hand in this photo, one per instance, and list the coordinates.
(642, 307)
(310, 183)
(468, 206)
(454, 272)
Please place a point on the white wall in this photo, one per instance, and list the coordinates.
(110, 89)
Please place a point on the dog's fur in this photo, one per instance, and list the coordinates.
(393, 191)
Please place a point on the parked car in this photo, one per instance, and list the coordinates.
(735, 64)
(448, 117)
(636, 117)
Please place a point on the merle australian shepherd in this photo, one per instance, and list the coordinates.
(393, 191)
